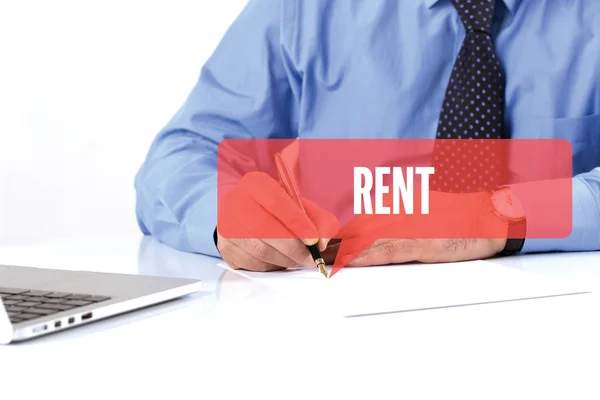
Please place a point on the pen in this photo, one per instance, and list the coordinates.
(291, 188)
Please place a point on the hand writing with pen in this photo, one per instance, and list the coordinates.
(259, 201)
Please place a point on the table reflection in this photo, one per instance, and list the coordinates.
(219, 285)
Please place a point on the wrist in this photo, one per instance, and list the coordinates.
(507, 206)
(499, 244)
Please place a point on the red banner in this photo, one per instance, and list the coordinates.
(363, 190)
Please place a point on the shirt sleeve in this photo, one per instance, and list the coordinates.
(585, 234)
(242, 92)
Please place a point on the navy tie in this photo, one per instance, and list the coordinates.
(473, 108)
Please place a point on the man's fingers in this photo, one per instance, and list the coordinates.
(260, 208)
(237, 258)
(279, 246)
(293, 251)
(264, 250)
(387, 251)
(240, 216)
(283, 249)
(267, 192)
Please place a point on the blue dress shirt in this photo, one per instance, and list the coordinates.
(373, 69)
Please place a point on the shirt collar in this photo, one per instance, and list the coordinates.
(510, 4)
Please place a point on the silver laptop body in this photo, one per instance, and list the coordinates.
(38, 301)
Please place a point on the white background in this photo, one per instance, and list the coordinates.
(84, 88)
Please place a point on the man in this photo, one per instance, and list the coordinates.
(378, 69)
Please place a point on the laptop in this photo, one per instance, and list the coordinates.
(37, 301)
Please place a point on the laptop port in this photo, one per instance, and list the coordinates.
(40, 328)
(71, 320)
(86, 316)
(57, 324)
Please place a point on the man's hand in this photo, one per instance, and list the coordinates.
(369, 240)
(399, 251)
(259, 225)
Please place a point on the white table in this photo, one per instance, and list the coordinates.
(238, 339)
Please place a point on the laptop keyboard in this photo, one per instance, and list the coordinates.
(24, 305)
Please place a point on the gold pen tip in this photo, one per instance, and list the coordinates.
(323, 270)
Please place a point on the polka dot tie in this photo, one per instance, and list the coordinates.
(473, 109)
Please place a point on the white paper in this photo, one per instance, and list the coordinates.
(409, 287)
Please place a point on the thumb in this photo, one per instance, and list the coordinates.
(323, 244)
(312, 241)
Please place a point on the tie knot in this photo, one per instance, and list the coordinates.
(476, 15)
